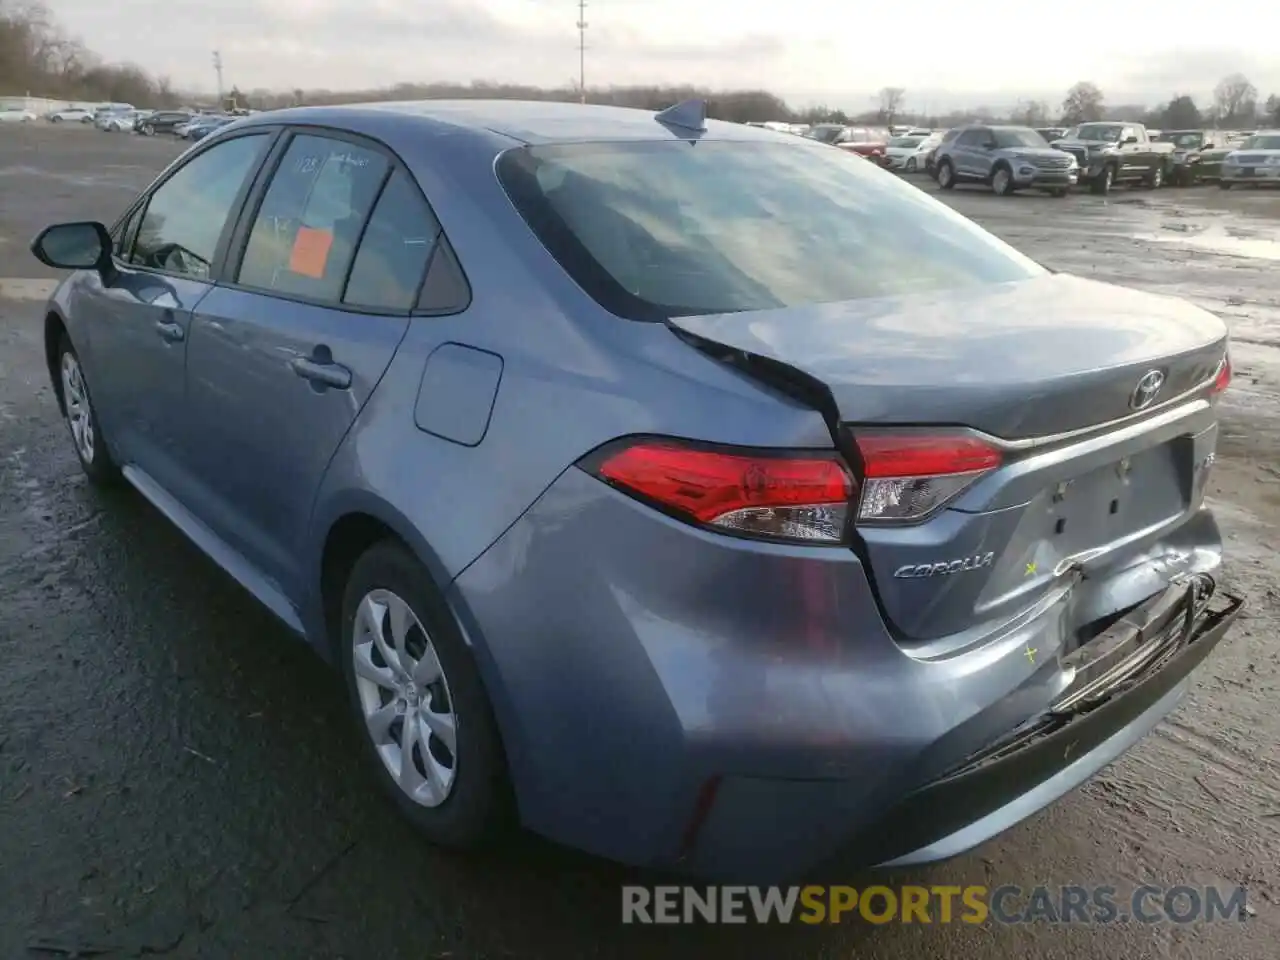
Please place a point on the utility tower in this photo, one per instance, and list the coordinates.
(582, 50)
(217, 68)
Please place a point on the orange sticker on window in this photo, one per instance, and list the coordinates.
(310, 252)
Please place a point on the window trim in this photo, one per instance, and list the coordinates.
(143, 202)
(251, 204)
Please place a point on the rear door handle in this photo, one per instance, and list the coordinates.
(329, 374)
(170, 330)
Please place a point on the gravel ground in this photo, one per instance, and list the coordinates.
(177, 775)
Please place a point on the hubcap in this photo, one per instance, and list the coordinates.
(79, 413)
(405, 699)
(1002, 181)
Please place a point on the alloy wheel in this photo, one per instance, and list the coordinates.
(79, 412)
(405, 699)
(1001, 182)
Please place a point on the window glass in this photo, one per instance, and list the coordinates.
(655, 230)
(310, 219)
(969, 138)
(394, 250)
(185, 216)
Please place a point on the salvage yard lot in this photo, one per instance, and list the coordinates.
(177, 774)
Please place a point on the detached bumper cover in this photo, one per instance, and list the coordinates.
(1126, 680)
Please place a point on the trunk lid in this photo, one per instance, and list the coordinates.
(1020, 362)
(1016, 360)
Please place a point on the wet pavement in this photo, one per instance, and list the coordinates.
(178, 775)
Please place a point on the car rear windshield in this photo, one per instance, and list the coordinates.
(675, 228)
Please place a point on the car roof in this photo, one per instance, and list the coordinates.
(529, 122)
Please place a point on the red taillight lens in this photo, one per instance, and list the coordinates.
(1222, 379)
(911, 474)
(790, 497)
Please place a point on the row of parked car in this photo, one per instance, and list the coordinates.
(1097, 155)
(125, 118)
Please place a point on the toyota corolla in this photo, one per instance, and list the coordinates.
(689, 493)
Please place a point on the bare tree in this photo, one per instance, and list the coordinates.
(1235, 99)
(1033, 113)
(891, 99)
(1084, 102)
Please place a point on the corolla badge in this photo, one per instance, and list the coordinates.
(913, 571)
(1146, 390)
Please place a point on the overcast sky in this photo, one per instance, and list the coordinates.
(944, 53)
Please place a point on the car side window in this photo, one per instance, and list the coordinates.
(184, 218)
(311, 218)
(967, 138)
(1126, 133)
(393, 254)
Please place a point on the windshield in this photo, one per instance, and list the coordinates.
(825, 133)
(906, 141)
(1183, 138)
(671, 228)
(1265, 142)
(1103, 132)
(1015, 137)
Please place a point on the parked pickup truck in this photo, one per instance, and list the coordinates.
(1111, 152)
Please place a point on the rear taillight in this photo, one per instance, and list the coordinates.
(788, 497)
(1222, 379)
(910, 474)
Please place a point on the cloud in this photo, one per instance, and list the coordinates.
(804, 50)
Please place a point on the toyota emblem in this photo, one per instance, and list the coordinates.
(1147, 389)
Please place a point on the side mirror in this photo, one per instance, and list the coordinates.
(1128, 140)
(74, 246)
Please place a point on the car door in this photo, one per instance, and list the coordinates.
(1134, 157)
(964, 153)
(139, 321)
(283, 356)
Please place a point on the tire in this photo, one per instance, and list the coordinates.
(1002, 180)
(1155, 179)
(1225, 185)
(1104, 181)
(946, 175)
(55, 119)
(911, 165)
(1058, 192)
(148, 130)
(82, 419)
(469, 803)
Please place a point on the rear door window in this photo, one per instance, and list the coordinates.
(306, 230)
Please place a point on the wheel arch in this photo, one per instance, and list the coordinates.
(350, 527)
(54, 330)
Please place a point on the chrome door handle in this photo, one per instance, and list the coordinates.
(329, 374)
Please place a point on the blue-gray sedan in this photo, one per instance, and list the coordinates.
(696, 495)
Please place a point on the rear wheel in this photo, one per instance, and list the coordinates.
(148, 130)
(1224, 185)
(911, 165)
(1155, 179)
(946, 175)
(427, 725)
(82, 419)
(55, 119)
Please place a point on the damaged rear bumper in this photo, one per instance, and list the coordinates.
(1123, 683)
